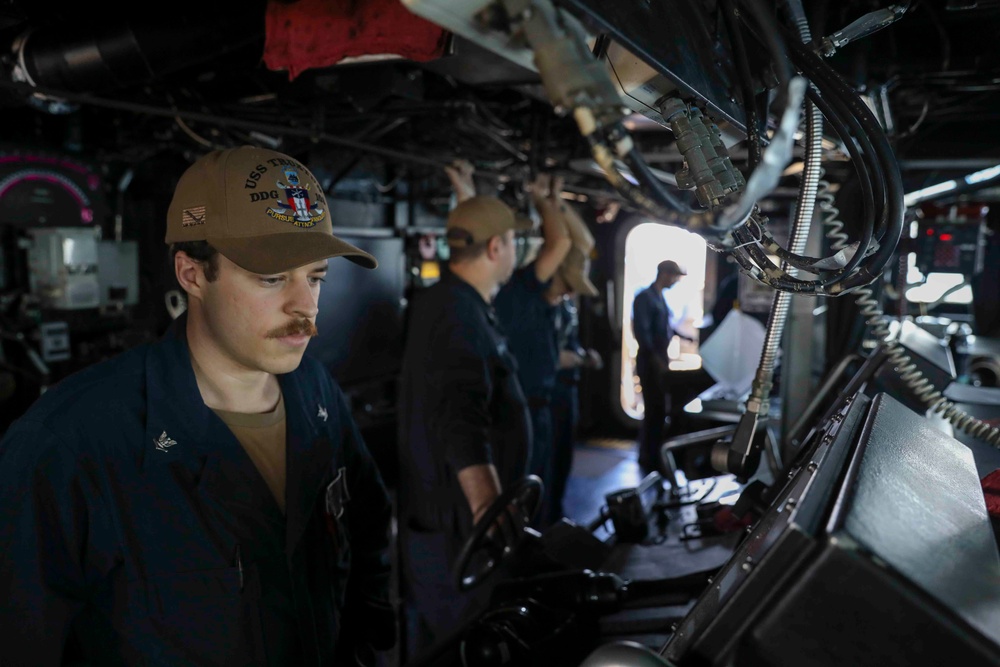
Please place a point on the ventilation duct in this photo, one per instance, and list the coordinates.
(114, 54)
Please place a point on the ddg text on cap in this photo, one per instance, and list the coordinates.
(263, 210)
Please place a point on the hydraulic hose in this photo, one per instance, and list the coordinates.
(808, 188)
(815, 69)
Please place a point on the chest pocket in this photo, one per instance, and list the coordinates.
(208, 617)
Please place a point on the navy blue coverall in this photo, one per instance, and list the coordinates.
(135, 529)
(651, 327)
(565, 406)
(460, 405)
(530, 323)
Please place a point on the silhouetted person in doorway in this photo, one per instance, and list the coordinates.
(652, 330)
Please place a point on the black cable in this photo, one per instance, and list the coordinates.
(771, 273)
(747, 264)
(754, 148)
(860, 157)
(810, 63)
(870, 219)
(865, 141)
(603, 156)
(601, 45)
(883, 226)
(778, 278)
(656, 187)
(767, 34)
(304, 133)
(621, 85)
(841, 103)
(863, 160)
(883, 186)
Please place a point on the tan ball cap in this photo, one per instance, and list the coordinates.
(478, 219)
(263, 210)
(670, 267)
(575, 270)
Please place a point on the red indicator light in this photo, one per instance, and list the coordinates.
(946, 237)
(930, 232)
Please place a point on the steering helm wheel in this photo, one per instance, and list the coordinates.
(496, 534)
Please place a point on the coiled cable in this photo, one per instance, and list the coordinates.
(830, 215)
(914, 379)
(896, 355)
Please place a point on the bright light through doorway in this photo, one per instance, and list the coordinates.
(646, 246)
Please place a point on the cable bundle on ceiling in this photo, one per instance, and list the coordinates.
(737, 226)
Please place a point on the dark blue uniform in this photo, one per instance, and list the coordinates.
(530, 322)
(460, 405)
(565, 404)
(651, 327)
(135, 529)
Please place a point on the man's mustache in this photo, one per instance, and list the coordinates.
(295, 328)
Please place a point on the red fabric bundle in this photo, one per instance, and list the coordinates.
(321, 33)
(991, 489)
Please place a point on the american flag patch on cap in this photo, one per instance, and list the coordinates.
(193, 216)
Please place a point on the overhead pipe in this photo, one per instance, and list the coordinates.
(128, 51)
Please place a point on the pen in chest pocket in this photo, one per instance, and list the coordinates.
(239, 566)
